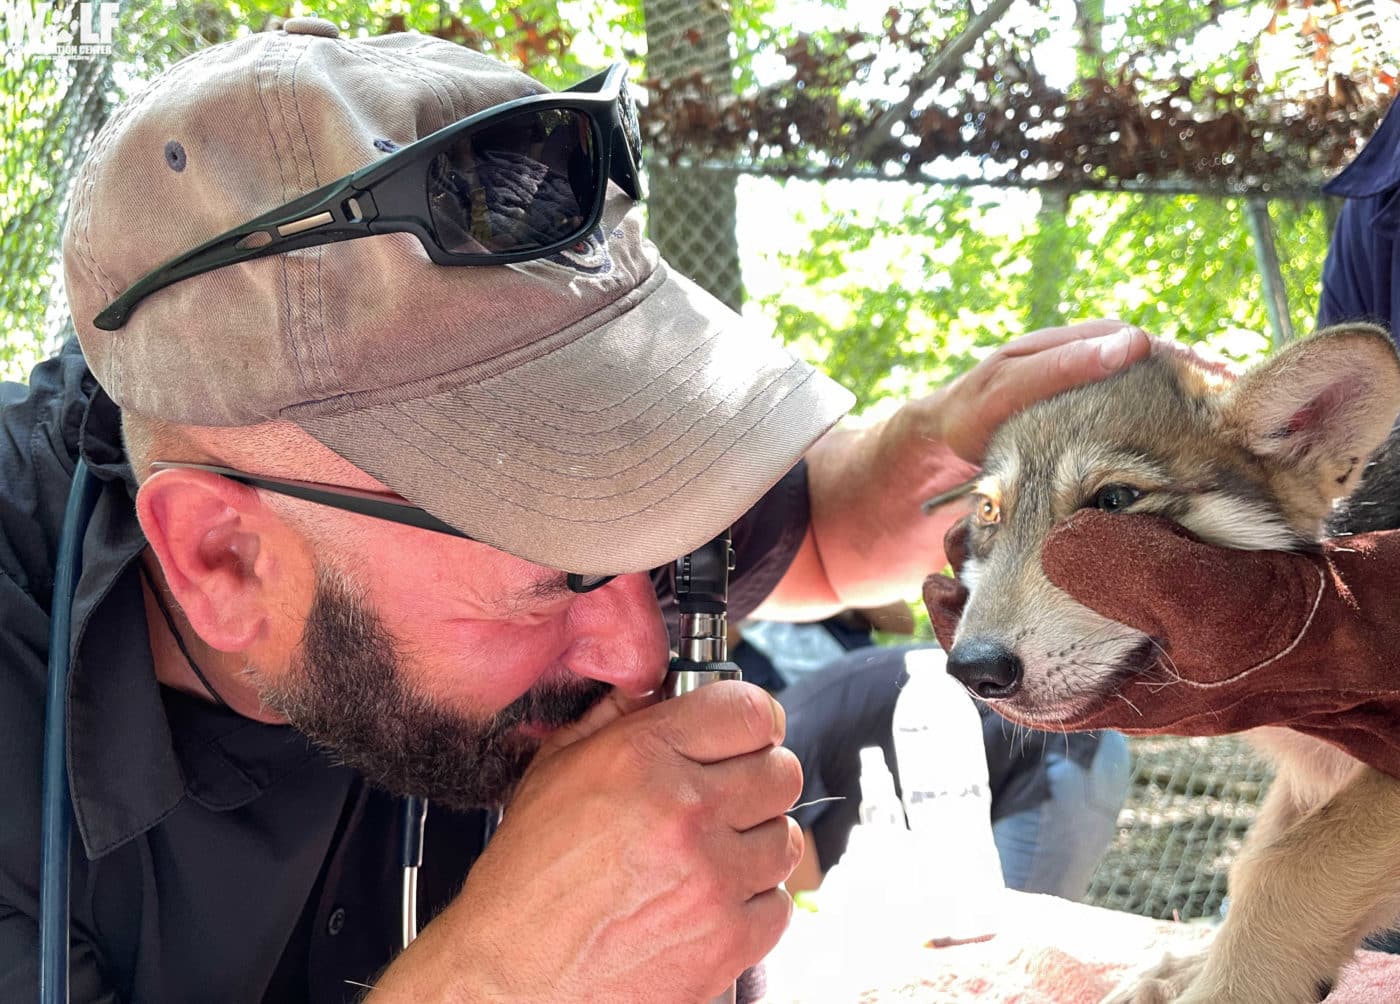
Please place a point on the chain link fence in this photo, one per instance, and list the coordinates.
(66, 104)
(55, 105)
(691, 210)
(1189, 806)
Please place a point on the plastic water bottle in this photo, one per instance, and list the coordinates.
(947, 799)
(879, 804)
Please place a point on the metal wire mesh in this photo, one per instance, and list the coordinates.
(691, 211)
(36, 190)
(1188, 809)
(57, 106)
(700, 63)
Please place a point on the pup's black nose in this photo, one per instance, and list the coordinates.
(985, 668)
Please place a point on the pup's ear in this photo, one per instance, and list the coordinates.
(1319, 407)
(955, 542)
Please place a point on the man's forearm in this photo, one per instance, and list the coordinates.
(445, 963)
(869, 542)
(868, 486)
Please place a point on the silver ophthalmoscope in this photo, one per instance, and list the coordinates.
(702, 592)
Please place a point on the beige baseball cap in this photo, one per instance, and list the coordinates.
(594, 412)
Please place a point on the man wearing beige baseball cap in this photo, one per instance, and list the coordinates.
(399, 421)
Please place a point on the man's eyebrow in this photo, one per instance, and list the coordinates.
(543, 589)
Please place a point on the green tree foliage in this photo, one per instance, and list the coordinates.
(899, 304)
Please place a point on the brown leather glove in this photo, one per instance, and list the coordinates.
(1308, 641)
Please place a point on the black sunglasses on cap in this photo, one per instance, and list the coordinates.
(517, 181)
(365, 503)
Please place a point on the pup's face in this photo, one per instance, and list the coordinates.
(1253, 465)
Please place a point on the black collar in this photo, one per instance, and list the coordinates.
(136, 749)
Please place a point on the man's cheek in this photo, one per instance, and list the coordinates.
(484, 666)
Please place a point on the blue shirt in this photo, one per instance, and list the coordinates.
(1362, 269)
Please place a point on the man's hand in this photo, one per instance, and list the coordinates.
(869, 542)
(638, 861)
(1249, 638)
(964, 414)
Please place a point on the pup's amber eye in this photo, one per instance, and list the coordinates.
(1116, 498)
(986, 509)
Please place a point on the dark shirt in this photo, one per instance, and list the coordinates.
(1362, 272)
(215, 858)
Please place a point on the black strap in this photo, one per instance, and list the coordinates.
(179, 640)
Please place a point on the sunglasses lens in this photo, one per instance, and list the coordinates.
(519, 183)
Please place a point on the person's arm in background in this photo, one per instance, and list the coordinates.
(1361, 267)
(1348, 283)
(869, 541)
(891, 618)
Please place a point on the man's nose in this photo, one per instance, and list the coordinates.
(988, 669)
(617, 635)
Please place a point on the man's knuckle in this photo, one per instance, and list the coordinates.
(796, 845)
(689, 801)
(996, 358)
(754, 708)
(787, 769)
(711, 889)
(781, 852)
(656, 742)
(741, 706)
(997, 375)
(695, 806)
(766, 924)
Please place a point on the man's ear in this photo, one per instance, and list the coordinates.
(1319, 407)
(208, 533)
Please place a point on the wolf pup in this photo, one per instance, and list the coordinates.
(1254, 464)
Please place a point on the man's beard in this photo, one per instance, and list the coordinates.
(347, 692)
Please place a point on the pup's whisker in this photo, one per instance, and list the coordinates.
(1166, 660)
(818, 801)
